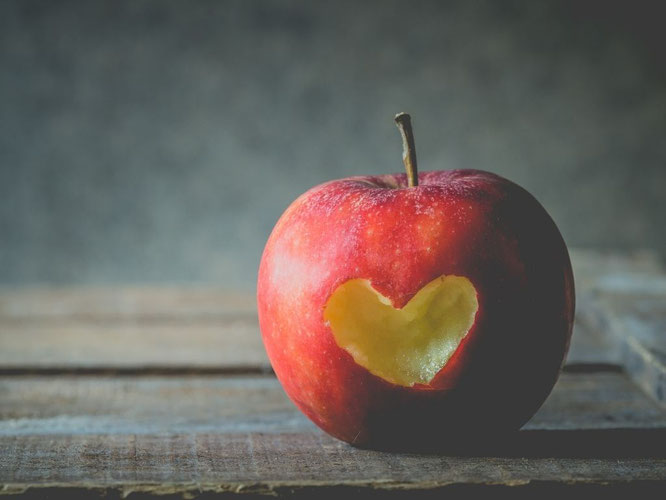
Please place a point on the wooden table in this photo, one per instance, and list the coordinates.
(136, 392)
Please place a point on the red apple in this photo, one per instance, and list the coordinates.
(404, 308)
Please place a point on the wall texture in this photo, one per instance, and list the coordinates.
(159, 141)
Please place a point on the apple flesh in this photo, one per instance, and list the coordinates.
(403, 346)
(396, 315)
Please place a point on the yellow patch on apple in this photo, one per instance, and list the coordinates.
(403, 346)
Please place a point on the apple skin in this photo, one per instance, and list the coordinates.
(459, 222)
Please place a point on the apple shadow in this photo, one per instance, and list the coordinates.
(529, 443)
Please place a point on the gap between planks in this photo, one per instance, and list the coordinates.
(194, 371)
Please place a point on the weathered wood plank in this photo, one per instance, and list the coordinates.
(113, 436)
(223, 344)
(175, 329)
(232, 344)
(591, 265)
(622, 309)
(190, 435)
(129, 329)
(143, 405)
(592, 343)
(146, 404)
(631, 308)
(271, 464)
(137, 304)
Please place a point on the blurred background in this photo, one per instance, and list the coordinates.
(159, 141)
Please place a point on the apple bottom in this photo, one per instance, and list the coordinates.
(496, 380)
(466, 417)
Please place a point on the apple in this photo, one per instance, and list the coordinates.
(414, 307)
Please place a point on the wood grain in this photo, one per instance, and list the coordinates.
(104, 304)
(632, 309)
(591, 266)
(158, 404)
(225, 345)
(230, 345)
(280, 464)
(187, 436)
(130, 330)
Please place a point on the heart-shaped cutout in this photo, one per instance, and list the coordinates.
(404, 346)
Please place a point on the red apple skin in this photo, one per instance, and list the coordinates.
(460, 222)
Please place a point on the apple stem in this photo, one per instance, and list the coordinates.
(404, 123)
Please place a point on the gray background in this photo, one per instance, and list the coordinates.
(159, 141)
